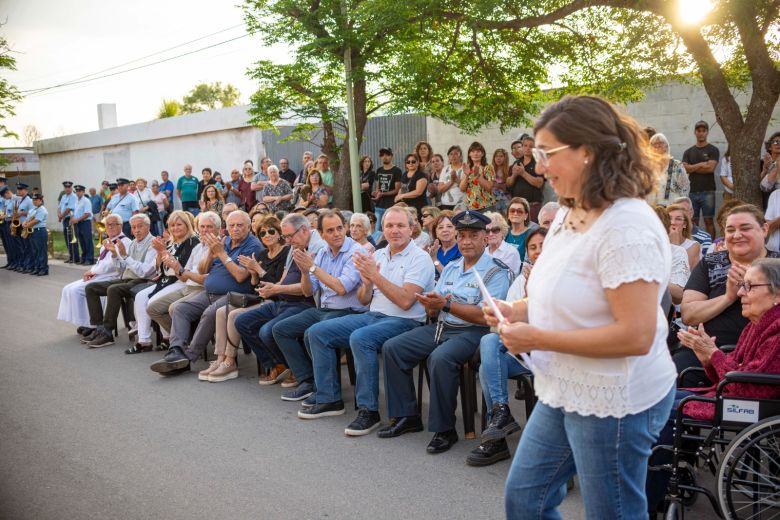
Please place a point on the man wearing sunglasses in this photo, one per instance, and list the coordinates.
(333, 275)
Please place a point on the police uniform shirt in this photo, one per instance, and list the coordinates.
(27, 205)
(41, 215)
(463, 287)
(123, 205)
(83, 207)
(68, 201)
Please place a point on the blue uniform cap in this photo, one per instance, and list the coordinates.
(36, 196)
(79, 187)
(21, 186)
(122, 180)
(67, 184)
(470, 220)
(3, 190)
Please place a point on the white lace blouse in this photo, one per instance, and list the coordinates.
(566, 292)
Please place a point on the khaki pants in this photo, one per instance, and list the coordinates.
(227, 337)
(159, 308)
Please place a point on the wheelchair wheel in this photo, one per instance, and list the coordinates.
(749, 473)
(687, 476)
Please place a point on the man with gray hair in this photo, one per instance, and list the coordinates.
(547, 214)
(698, 234)
(135, 265)
(285, 298)
(224, 275)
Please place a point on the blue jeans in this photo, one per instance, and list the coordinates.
(608, 454)
(256, 328)
(379, 212)
(289, 332)
(364, 334)
(703, 202)
(496, 366)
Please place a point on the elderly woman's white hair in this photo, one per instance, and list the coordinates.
(659, 138)
(215, 219)
(362, 220)
(497, 219)
(271, 168)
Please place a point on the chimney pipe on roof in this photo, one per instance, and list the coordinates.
(106, 115)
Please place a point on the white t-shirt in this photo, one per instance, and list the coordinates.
(772, 212)
(453, 196)
(508, 254)
(566, 291)
(681, 270)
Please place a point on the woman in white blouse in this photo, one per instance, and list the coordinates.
(497, 246)
(592, 320)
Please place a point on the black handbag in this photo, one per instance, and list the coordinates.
(243, 300)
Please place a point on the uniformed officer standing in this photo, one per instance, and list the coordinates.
(123, 204)
(65, 209)
(38, 238)
(6, 208)
(82, 216)
(448, 343)
(22, 249)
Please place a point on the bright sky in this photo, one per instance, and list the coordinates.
(57, 41)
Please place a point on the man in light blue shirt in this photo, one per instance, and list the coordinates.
(65, 209)
(123, 204)
(333, 275)
(38, 263)
(6, 208)
(389, 283)
(23, 248)
(447, 344)
(82, 216)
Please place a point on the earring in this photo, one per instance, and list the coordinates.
(585, 161)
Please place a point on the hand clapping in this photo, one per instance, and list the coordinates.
(302, 259)
(213, 243)
(366, 266)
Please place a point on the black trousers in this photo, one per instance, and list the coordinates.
(116, 291)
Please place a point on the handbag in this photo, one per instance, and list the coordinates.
(243, 300)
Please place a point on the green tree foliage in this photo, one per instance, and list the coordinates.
(169, 108)
(9, 94)
(208, 96)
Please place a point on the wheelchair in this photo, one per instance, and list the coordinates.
(740, 447)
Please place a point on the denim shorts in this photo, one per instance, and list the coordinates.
(704, 203)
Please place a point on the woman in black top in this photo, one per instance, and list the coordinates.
(367, 179)
(170, 257)
(413, 184)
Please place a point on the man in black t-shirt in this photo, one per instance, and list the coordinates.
(206, 180)
(700, 161)
(388, 182)
(285, 172)
(523, 180)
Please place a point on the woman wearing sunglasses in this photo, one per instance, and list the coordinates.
(413, 184)
(591, 320)
(497, 246)
(267, 267)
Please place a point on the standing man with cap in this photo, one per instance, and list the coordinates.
(388, 184)
(123, 204)
(38, 238)
(700, 161)
(22, 207)
(6, 208)
(448, 343)
(82, 218)
(65, 209)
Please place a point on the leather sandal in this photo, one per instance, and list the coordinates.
(138, 349)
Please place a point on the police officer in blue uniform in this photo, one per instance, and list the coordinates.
(6, 208)
(65, 209)
(22, 248)
(82, 216)
(451, 341)
(123, 204)
(38, 237)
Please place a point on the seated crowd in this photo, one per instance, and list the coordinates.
(298, 282)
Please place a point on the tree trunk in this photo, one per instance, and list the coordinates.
(342, 189)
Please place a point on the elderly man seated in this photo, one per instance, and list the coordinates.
(73, 302)
(450, 342)
(389, 283)
(224, 275)
(135, 265)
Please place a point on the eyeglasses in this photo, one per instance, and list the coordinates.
(516, 211)
(411, 161)
(426, 215)
(774, 142)
(747, 286)
(492, 230)
(543, 156)
(288, 237)
(271, 232)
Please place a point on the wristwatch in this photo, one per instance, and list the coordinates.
(228, 260)
(312, 269)
(446, 307)
(437, 264)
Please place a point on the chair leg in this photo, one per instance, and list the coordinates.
(468, 401)
(421, 371)
(484, 414)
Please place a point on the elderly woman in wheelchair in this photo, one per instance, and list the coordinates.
(744, 399)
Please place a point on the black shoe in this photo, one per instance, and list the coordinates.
(102, 339)
(176, 372)
(81, 330)
(139, 348)
(309, 401)
(92, 334)
(442, 441)
(6, 266)
(366, 422)
(69, 261)
(501, 424)
(400, 425)
(42, 273)
(164, 345)
(322, 410)
(174, 360)
(488, 453)
(300, 393)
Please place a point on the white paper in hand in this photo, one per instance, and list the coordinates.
(497, 312)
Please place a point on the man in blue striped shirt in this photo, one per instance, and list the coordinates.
(333, 274)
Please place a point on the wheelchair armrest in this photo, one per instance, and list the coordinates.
(727, 348)
(749, 377)
(687, 371)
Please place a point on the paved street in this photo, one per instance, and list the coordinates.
(96, 434)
